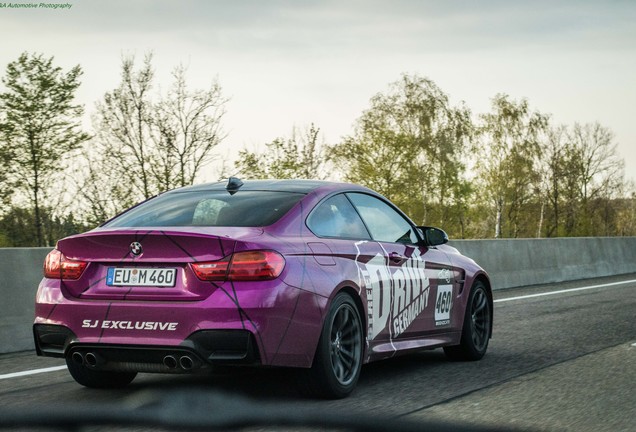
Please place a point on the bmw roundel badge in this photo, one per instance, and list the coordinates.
(136, 249)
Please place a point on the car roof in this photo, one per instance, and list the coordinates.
(284, 185)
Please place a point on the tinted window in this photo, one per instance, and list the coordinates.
(336, 217)
(209, 208)
(384, 223)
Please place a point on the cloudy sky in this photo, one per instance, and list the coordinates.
(291, 63)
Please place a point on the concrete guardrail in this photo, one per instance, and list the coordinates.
(20, 275)
(522, 262)
(510, 263)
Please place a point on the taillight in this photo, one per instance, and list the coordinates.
(256, 265)
(242, 266)
(209, 271)
(57, 266)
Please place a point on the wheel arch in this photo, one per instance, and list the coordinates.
(483, 278)
(323, 378)
(357, 300)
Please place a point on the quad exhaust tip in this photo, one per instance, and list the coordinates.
(90, 359)
(77, 358)
(186, 362)
(170, 362)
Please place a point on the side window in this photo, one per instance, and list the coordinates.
(336, 217)
(384, 223)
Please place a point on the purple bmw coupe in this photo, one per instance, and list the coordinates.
(296, 273)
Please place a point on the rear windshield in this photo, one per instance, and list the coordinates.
(209, 208)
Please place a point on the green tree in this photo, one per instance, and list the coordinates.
(6, 183)
(410, 146)
(17, 229)
(39, 127)
(509, 147)
(626, 218)
(300, 156)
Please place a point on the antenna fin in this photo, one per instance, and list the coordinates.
(233, 185)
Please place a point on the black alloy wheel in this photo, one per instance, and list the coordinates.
(476, 330)
(346, 344)
(480, 320)
(338, 358)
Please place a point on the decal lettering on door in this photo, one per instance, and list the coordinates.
(396, 295)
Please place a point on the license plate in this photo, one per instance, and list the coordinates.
(152, 277)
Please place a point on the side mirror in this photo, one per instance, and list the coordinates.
(433, 236)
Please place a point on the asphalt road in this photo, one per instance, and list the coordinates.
(563, 361)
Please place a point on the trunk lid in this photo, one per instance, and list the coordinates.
(152, 264)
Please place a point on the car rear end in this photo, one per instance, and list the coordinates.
(173, 299)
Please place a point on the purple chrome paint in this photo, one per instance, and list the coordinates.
(284, 315)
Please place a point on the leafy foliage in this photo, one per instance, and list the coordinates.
(17, 229)
(509, 149)
(39, 127)
(505, 173)
(410, 146)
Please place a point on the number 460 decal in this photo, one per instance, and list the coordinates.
(443, 305)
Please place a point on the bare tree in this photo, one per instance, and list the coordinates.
(582, 181)
(103, 196)
(599, 171)
(552, 172)
(147, 142)
(300, 156)
(125, 135)
(189, 128)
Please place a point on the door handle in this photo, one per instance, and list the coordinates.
(397, 258)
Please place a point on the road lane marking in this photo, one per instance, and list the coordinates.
(565, 291)
(32, 372)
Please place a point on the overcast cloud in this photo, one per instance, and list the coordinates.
(286, 63)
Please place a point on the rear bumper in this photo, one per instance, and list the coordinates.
(273, 325)
(201, 350)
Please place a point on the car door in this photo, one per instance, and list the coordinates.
(346, 245)
(416, 277)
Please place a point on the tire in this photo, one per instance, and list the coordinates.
(98, 379)
(476, 329)
(338, 360)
